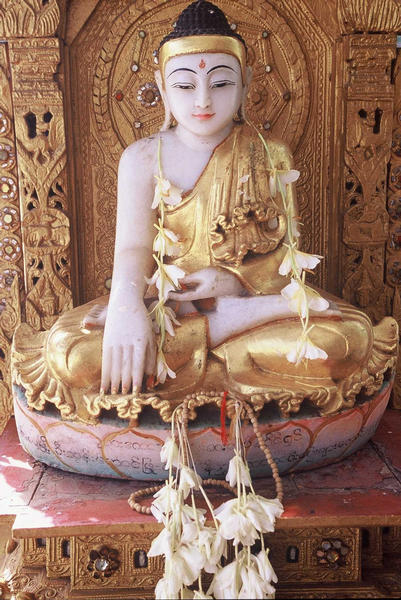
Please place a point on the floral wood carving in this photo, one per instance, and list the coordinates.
(393, 257)
(369, 116)
(11, 263)
(369, 16)
(41, 150)
(36, 18)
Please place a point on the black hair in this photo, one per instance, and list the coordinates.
(201, 18)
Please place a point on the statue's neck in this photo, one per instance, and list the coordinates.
(202, 143)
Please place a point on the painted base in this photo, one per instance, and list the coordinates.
(116, 449)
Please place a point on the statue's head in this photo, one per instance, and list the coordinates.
(203, 73)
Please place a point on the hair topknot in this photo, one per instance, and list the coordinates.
(201, 18)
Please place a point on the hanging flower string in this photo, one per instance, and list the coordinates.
(166, 277)
(300, 297)
(189, 546)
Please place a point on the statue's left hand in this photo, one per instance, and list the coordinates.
(207, 283)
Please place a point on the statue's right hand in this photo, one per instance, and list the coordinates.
(129, 348)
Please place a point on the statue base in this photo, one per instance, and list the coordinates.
(116, 448)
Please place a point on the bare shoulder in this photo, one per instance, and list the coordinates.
(140, 158)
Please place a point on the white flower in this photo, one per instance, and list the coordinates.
(166, 278)
(213, 551)
(201, 596)
(305, 348)
(209, 541)
(253, 585)
(167, 587)
(225, 582)
(301, 297)
(302, 261)
(166, 242)
(163, 370)
(244, 179)
(265, 568)
(166, 498)
(169, 455)
(234, 523)
(243, 521)
(189, 515)
(263, 511)
(164, 190)
(236, 466)
(286, 177)
(162, 544)
(188, 480)
(186, 563)
(166, 313)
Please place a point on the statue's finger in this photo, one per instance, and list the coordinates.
(183, 296)
(126, 378)
(138, 365)
(150, 366)
(106, 369)
(116, 368)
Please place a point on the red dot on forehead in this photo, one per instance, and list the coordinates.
(202, 64)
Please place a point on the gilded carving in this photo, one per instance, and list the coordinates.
(392, 541)
(90, 554)
(58, 557)
(297, 554)
(372, 552)
(11, 275)
(375, 15)
(393, 255)
(34, 552)
(368, 126)
(41, 149)
(36, 18)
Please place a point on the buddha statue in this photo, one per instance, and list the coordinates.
(202, 240)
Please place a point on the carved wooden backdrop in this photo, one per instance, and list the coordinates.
(77, 87)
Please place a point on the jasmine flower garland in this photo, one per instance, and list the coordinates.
(166, 277)
(299, 295)
(191, 547)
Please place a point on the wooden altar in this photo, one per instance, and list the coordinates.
(339, 537)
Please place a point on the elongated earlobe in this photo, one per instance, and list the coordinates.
(245, 93)
(167, 112)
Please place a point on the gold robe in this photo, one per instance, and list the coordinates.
(227, 221)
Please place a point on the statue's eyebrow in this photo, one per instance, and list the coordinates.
(220, 67)
(181, 69)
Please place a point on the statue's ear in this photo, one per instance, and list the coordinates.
(248, 79)
(248, 76)
(159, 81)
(167, 111)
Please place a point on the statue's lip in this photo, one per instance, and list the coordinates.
(203, 115)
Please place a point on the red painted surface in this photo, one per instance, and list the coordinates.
(362, 489)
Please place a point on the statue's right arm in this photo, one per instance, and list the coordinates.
(128, 343)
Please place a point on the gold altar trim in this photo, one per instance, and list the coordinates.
(196, 44)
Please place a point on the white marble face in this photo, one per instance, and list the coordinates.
(204, 91)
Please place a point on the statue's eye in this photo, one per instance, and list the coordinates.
(184, 86)
(219, 84)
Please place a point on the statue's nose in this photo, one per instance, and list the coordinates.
(202, 99)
